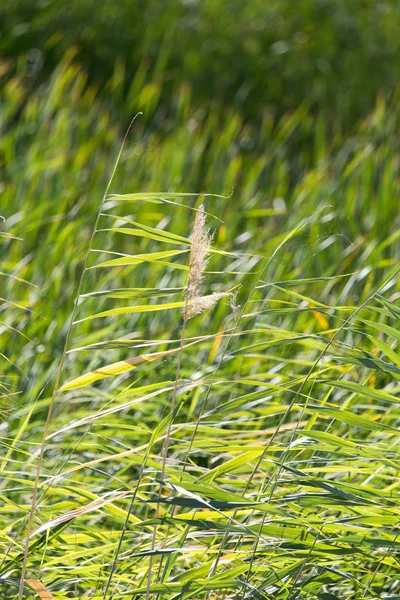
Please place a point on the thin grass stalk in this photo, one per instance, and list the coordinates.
(166, 445)
(201, 241)
(60, 368)
(194, 304)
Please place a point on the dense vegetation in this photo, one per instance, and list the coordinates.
(251, 451)
(254, 55)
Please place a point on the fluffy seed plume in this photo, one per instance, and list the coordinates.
(201, 242)
(196, 303)
(200, 304)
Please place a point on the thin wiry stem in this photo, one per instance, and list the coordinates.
(60, 368)
(195, 303)
(198, 260)
(166, 445)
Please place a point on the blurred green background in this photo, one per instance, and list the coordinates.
(255, 56)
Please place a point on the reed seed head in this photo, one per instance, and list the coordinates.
(196, 302)
(201, 242)
(200, 304)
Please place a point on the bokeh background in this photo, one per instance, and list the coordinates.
(331, 56)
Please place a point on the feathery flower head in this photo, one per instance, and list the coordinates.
(196, 302)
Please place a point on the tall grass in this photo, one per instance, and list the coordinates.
(281, 475)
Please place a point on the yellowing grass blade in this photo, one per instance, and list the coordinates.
(122, 366)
